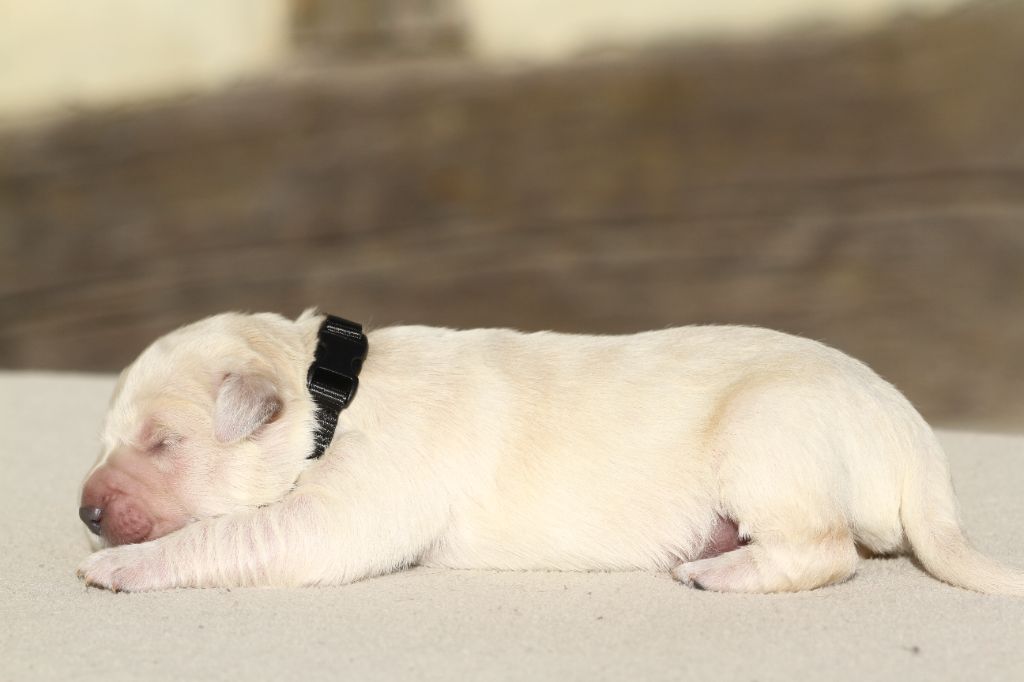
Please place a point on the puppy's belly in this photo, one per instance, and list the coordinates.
(585, 539)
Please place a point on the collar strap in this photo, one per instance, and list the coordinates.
(333, 377)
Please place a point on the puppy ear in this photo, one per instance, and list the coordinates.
(245, 402)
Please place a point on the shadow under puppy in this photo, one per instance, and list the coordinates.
(740, 459)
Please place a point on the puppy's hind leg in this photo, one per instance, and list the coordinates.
(774, 564)
(799, 538)
(779, 476)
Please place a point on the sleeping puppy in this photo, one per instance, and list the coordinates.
(738, 459)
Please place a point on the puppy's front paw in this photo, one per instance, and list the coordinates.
(128, 568)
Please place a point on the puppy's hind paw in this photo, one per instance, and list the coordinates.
(730, 572)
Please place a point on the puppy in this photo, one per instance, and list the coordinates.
(739, 459)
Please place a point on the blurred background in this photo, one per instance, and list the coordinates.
(848, 170)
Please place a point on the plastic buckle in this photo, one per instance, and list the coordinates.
(333, 377)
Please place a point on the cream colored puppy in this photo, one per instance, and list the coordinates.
(739, 459)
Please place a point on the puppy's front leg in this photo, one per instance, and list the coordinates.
(282, 544)
(349, 521)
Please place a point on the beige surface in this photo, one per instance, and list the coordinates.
(890, 622)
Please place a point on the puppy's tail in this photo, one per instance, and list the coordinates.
(931, 521)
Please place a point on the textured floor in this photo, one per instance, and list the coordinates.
(891, 622)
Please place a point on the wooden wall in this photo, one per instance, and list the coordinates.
(865, 191)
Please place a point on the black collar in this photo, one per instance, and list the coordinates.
(333, 377)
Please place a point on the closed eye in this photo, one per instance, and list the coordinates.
(165, 443)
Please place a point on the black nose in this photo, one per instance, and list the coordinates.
(91, 517)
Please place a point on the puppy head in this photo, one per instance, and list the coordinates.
(210, 419)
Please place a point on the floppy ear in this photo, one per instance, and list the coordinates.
(245, 402)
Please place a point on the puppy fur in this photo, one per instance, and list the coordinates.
(496, 449)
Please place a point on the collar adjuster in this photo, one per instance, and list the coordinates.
(333, 377)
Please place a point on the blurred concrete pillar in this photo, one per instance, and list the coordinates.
(56, 54)
(541, 30)
(361, 28)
